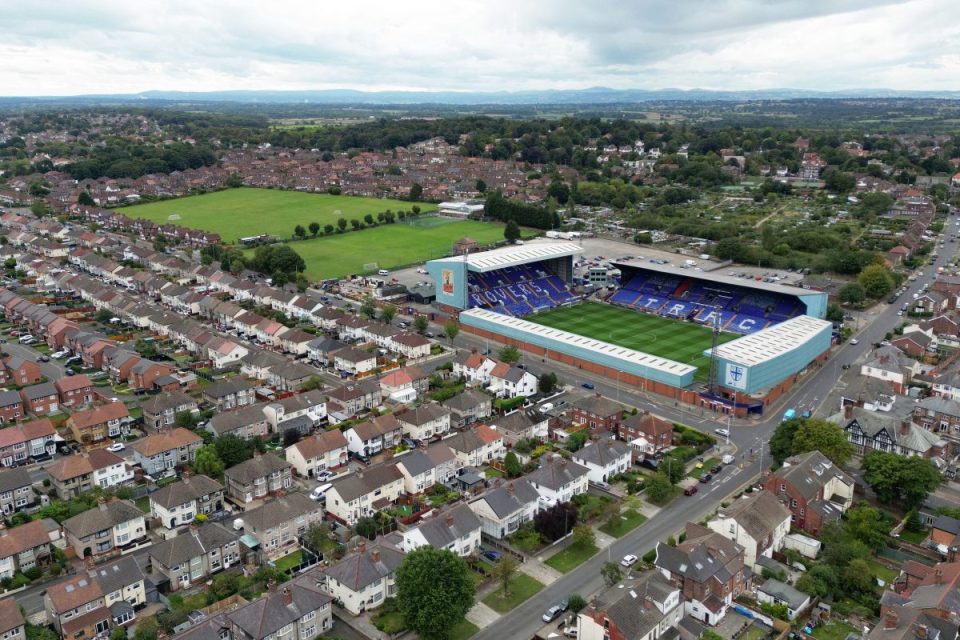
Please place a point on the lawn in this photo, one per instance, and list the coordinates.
(754, 633)
(490, 472)
(236, 213)
(671, 339)
(833, 630)
(916, 537)
(572, 557)
(882, 571)
(463, 630)
(522, 587)
(389, 622)
(708, 464)
(289, 561)
(389, 246)
(624, 524)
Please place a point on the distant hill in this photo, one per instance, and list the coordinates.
(596, 95)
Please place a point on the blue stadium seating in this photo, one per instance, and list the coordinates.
(518, 290)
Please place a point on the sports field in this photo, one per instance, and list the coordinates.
(236, 213)
(389, 246)
(672, 339)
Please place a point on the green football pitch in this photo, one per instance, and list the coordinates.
(237, 213)
(672, 339)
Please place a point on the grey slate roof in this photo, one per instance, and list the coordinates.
(510, 498)
(227, 387)
(448, 526)
(11, 479)
(363, 568)
(9, 398)
(422, 415)
(555, 472)
(466, 401)
(353, 485)
(192, 544)
(464, 441)
(758, 514)
(118, 574)
(872, 423)
(256, 467)
(625, 606)
(42, 390)
(809, 472)
(187, 490)
(102, 516)
(784, 593)
(237, 418)
(598, 406)
(603, 452)
(268, 614)
(279, 510)
(416, 462)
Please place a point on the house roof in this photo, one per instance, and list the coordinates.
(165, 401)
(705, 556)
(258, 466)
(227, 387)
(186, 490)
(466, 401)
(900, 430)
(283, 509)
(77, 465)
(603, 452)
(26, 536)
(425, 413)
(37, 391)
(759, 514)
(794, 598)
(103, 516)
(192, 544)
(624, 604)
(11, 479)
(165, 441)
(10, 616)
(510, 498)
(237, 418)
(276, 609)
(353, 485)
(93, 416)
(809, 472)
(598, 405)
(555, 472)
(10, 398)
(359, 570)
(320, 444)
(448, 526)
(73, 383)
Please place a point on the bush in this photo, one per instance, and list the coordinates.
(650, 556)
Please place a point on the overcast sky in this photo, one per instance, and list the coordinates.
(67, 47)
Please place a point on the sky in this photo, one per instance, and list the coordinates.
(72, 47)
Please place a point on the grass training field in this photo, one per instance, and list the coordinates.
(389, 246)
(237, 213)
(672, 339)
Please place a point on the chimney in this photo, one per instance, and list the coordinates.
(375, 555)
(938, 576)
(510, 489)
(648, 602)
(848, 412)
(449, 520)
(287, 596)
(88, 563)
(904, 427)
(272, 586)
(362, 547)
(890, 620)
(921, 632)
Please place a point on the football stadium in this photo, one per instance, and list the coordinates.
(728, 344)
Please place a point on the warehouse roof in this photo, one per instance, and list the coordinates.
(772, 342)
(516, 255)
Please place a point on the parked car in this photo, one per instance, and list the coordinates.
(716, 469)
(492, 556)
(116, 446)
(554, 612)
(629, 560)
(26, 338)
(587, 385)
(705, 478)
(689, 491)
(320, 492)
(722, 432)
(43, 359)
(324, 475)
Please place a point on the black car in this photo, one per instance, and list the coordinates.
(587, 385)
(650, 463)
(716, 469)
(846, 366)
(705, 478)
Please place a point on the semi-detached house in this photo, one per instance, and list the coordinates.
(278, 524)
(324, 451)
(364, 579)
(258, 477)
(361, 494)
(505, 508)
(195, 555)
(180, 503)
(457, 530)
(105, 529)
(168, 449)
(558, 480)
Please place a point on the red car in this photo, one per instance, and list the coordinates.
(689, 491)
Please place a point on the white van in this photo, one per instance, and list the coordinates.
(320, 492)
(383, 272)
(546, 406)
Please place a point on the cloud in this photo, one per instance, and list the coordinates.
(109, 46)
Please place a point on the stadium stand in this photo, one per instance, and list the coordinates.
(518, 290)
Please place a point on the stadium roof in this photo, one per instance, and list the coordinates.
(771, 342)
(516, 255)
(772, 287)
(627, 356)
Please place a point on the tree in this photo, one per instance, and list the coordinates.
(877, 280)
(233, 181)
(368, 219)
(547, 382)
(576, 602)
(512, 465)
(85, 199)
(103, 316)
(556, 522)
(781, 442)
(316, 535)
(868, 525)
(232, 449)
(857, 577)
(451, 329)
(509, 354)
(434, 591)
(314, 229)
(342, 224)
(852, 293)
(300, 232)
(387, 313)
(503, 572)
(355, 224)
(896, 478)
(583, 536)
(420, 323)
(834, 312)
(481, 186)
(816, 434)
(147, 629)
(312, 383)
(207, 462)
(511, 232)
(367, 307)
(185, 419)
(576, 440)
(118, 633)
(658, 488)
(416, 191)
(611, 573)
(328, 228)
(39, 208)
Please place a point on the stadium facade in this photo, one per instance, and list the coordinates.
(782, 327)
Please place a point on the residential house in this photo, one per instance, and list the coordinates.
(456, 529)
(598, 413)
(646, 433)
(474, 367)
(373, 436)
(41, 399)
(507, 507)
(419, 471)
(412, 346)
(160, 410)
(180, 503)
(938, 414)
(758, 522)
(812, 488)
(902, 622)
(945, 533)
(324, 451)
(12, 624)
(258, 477)
(363, 579)
(192, 557)
(144, 374)
(229, 393)
(25, 547)
(646, 607)
(404, 385)
(915, 344)
(890, 363)
(508, 381)
(522, 424)
(468, 407)
(16, 491)
(168, 449)
(424, 422)
(604, 459)
(21, 372)
(301, 412)
(74, 391)
(357, 396)
(105, 529)
(558, 480)
(320, 350)
(873, 431)
(11, 406)
(361, 494)
(92, 425)
(96, 600)
(247, 423)
(34, 439)
(933, 589)
(354, 361)
(477, 446)
(774, 592)
(707, 568)
(77, 474)
(278, 524)
(446, 466)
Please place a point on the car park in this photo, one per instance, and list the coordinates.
(629, 560)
